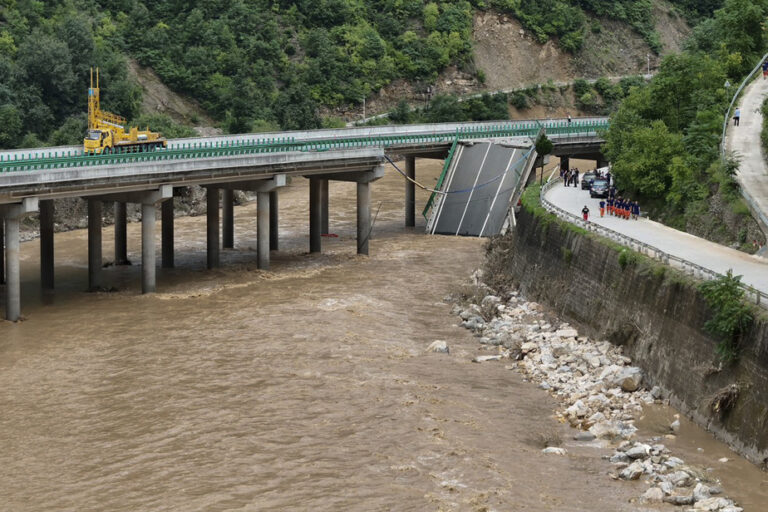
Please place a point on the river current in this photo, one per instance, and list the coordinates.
(307, 387)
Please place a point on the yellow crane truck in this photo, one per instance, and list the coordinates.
(107, 133)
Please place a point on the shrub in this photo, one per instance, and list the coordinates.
(519, 100)
(627, 258)
(731, 316)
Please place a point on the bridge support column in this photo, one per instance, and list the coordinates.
(265, 215)
(565, 162)
(148, 271)
(46, 244)
(602, 162)
(167, 215)
(262, 227)
(273, 221)
(121, 233)
(228, 218)
(315, 214)
(2, 251)
(212, 197)
(94, 244)
(410, 192)
(324, 199)
(363, 216)
(11, 214)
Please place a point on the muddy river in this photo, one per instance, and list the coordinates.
(307, 387)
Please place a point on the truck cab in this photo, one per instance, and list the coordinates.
(97, 141)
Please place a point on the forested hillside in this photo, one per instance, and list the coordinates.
(664, 138)
(254, 64)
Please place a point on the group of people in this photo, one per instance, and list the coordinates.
(570, 177)
(620, 207)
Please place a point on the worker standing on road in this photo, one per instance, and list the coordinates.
(585, 212)
(765, 69)
(609, 203)
(602, 208)
(736, 116)
(635, 210)
(576, 179)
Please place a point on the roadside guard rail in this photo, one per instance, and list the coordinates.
(762, 219)
(237, 145)
(688, 267)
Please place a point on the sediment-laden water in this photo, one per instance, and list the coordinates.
(307, 387)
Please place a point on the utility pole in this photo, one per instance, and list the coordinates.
(363, 108)
(648, 56)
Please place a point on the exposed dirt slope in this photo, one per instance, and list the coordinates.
(158, 98)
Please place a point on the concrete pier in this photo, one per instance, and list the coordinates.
(274, 243)
(148, 271)
(410, 192)
(315, 214)
(363, 216)
(262, 227)
(228, 218)
(167, 219)
(13, 271)
(46, 244)
(94, 244)
(324, 198)
(11, 214)
(121, 233)
(213, 227)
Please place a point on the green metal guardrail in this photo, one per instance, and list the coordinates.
(440, 179)
(289, 144)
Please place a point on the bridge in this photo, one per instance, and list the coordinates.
(31, 179)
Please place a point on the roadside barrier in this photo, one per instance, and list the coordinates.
(688, 267)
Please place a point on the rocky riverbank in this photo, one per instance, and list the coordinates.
(601, 393)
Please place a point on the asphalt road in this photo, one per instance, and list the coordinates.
(707, 254)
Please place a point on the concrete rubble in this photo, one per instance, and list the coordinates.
(600, 392)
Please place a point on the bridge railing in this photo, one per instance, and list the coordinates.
(751, 293)
(16, 161)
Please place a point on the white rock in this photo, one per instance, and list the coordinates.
(639, 451)
(653, 495)
(701, 492)
(633, 471)
(667, 487)
(578, 409)
(528, 347)
(711, 504)
(554, 450)
(675, 426)
(482, 359)
(656, 392)
(628, 379)
(438, 346)
(724, 459)
(567, 333)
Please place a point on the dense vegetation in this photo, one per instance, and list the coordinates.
(256, 64)
(664, 139)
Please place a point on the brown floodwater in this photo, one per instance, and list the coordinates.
(307, 387)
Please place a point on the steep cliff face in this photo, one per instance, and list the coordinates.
(656, 314)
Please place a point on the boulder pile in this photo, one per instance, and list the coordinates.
(601, 394)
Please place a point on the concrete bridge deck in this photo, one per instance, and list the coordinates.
(31, 179)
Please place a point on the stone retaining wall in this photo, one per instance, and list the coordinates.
(655, 313)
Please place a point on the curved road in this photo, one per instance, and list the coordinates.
(744, 140)
(707, 254)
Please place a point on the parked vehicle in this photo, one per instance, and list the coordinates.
(587, 179)
(599, 188)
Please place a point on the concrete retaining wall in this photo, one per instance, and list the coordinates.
(655, 313)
